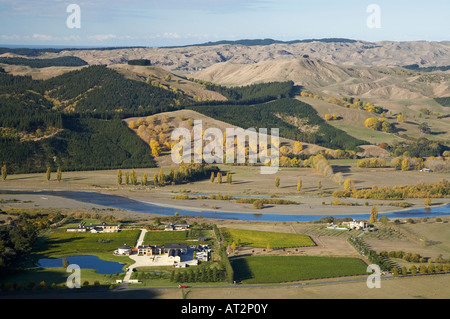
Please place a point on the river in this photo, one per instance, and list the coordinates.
(148, 208)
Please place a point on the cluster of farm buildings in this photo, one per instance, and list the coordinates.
(173, 251)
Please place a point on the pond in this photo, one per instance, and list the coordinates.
(103, 267)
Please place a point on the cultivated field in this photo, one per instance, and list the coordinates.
(275, 269)
(263, 239)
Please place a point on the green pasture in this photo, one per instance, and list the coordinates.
(255, 238)
(275, 269)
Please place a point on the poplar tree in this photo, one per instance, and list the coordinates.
(219, 177)
(277, 182)
(48, 173)
(58, 174)
(299, 185)
(161, 177)
(373, 214)
(144, 179)
(4, 172)
(133, 177)
(119, 177)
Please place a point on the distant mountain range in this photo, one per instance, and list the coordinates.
(254, 42)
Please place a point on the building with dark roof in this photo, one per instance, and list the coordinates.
(183, 247)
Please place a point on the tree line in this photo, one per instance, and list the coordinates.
(72, 61)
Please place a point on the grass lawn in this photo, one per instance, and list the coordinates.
(260, 239)
(274, 269)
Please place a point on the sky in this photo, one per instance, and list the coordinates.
(157, 23)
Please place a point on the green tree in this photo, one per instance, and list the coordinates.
(155, 179)
(404, 271)
(48, 174)
(212, 177)
(65, 263)
(395, 272)
(386, 127)
(127, 178)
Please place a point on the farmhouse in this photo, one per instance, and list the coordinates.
(183, 247)
(149, 250)
(354, 224)
(95, 228)
(173, 227)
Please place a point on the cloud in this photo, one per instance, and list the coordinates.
(44, 37)
(171, 35)
(102, 37)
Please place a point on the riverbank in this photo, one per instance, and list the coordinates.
(136, 204)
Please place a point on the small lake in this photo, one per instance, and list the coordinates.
(103, 267)
(148, 208)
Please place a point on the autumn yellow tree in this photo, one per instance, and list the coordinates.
(349, 184)
(58, 174)
(119, 177)
(373, 214)
(161, 177)
(298, 147)
(299, 185)
(401, 118)
(156, 149)
(405, 164)
(133, 177)
(373, 123)
(48, 174)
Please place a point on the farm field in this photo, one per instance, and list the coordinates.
(59, 243)
(294, 268)
(422, 287)
(261, 239)
(162, 237)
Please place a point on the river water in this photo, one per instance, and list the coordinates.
(148, 208)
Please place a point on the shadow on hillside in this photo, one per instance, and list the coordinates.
(341, 168)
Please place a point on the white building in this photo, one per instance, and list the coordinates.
(354, 224)
(124, 250)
